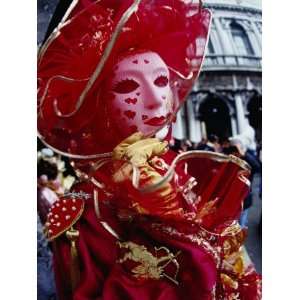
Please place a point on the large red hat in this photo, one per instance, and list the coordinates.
(78, 57)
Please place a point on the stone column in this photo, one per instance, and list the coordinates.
(203, 130)
(216, 44)
(225, 40)
(198, 133)
(254, 42)
(240, 114)
(233, 126)
(194, 125)
(178, 127)
(256, 33)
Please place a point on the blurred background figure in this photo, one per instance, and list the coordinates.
(48, 190)
(175, 145)
(49, 187)
(186, 145)
(212, 144)
(224, 143)
(54, 177)
(46, 289)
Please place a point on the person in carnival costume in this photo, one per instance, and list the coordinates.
(141, 222)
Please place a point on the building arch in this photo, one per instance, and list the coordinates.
(215, 114)
(242, 44)
(200, 98)
(254, 108)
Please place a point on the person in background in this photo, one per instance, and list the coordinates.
(259, 155)
(201, 144)
(175, 145)
(54, 177)
(186, 145)
(48, 190)
(224, 143)
(45, 276)
(181, 146)
(212, 144)
(49, 187)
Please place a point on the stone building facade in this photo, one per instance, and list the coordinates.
(227, 96)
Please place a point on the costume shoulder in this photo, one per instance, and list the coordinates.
(64, 213)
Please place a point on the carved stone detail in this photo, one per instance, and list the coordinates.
(225, 22)
(259, 26)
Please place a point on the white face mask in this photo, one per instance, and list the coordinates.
(141, 94)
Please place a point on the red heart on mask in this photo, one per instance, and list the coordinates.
(131, 100)
(129, 114)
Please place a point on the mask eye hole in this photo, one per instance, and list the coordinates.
(126, 86)
(161, 81)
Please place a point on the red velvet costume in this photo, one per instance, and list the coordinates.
(141, 223)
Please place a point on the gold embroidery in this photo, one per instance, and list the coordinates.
(150, 267)
(98, 214)
(228, 281)
(73, 235)
(207, 209)
(203, 239)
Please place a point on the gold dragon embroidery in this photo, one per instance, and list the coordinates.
(151, 266)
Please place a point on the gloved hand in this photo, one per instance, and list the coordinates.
(139, 150)
(136, 152)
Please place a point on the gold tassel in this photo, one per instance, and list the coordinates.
(72, 236)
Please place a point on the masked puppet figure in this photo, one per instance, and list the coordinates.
(141, 223)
